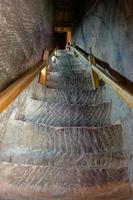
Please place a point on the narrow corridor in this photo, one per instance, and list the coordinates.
(63, 145)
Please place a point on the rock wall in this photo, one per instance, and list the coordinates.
(108, 29)
(25, 30)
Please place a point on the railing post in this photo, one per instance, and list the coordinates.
(94, 75)
(43, 73)
(68, 37)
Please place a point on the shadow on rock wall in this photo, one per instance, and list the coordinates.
(25, 30)
(108, 29)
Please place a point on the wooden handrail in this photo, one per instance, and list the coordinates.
(8, 95)
(120, 84)
(16, 88)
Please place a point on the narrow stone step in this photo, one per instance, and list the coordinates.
(74, 74)
(76, 69)
(70, 96)
(38, 182)
(85, 86)
(77, 76)
(79, 140)
(39, 157)
(66, 61)
(66, 115)
(70, 82)
(30, 143)
(63, 53)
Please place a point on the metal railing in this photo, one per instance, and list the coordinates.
(102, 70)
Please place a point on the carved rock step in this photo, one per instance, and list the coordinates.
(76, 69)
(66, 115)
(63, 53)
(68, 61)
(72, 74)
(71, 96)
(38, 182)
(72, 82)
(26, 135)
(77, 76)
(66, 65)
(64, 159)
(36, 143)
(69, 85)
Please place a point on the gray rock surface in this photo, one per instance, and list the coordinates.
(55, 150)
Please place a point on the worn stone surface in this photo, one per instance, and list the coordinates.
(37, 143)
(65, 115)
(76, 82)
(31, 182)
(18, 103)
(63, 63)
(63, 151)
(70, 96)
(25, 30)
(87, 163)
(108, 29)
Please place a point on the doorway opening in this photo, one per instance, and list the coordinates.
(60, 38)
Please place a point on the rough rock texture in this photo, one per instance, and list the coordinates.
(49, 183)
(108, 29)
(70, 96)
(25, 30)
(63, 146)
(63, 151)
(65, 115)
(18, 103)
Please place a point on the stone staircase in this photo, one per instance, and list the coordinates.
(63, 146)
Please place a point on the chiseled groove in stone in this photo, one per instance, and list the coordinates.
(60, 182)
(69, 60)
(80, 73)
(22, 156)
(39, 144)
(78, 66)
(44, 177)
(73, 159)
(66, 64)
(22, 39)
(72, 96)
(77, 76)
(111, 191)
(65, 70)
(70, 83)
(65, 115)
(73, 86)
(79, 140)
(78, 81)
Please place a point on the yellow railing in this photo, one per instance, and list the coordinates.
(8, 95)
(102, 70)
